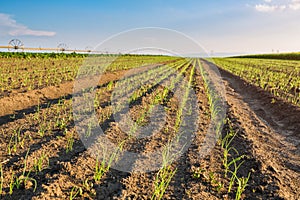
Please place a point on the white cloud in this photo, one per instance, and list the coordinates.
(9, 26)
(269, 6)
(265, 8)
(295, 5)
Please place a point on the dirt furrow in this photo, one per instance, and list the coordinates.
(271, 133)
(19, 103)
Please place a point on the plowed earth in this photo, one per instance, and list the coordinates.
(267, 134)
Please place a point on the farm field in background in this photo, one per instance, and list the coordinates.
(256, 155)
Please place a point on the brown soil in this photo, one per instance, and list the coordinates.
(268, 134)
(18, 103)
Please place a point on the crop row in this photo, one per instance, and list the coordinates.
(35, 143)
(29, 74)
(54, 121)
(280, 78)
(231, 158)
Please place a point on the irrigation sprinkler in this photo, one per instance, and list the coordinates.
(88, 49)
(62, 47)
(15, 45)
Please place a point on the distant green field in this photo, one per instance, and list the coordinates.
(69, 55)
(280, 56)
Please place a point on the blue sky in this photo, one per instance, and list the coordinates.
(221, 26)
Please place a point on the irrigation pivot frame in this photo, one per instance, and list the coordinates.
(62, 47)
(16, 45)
